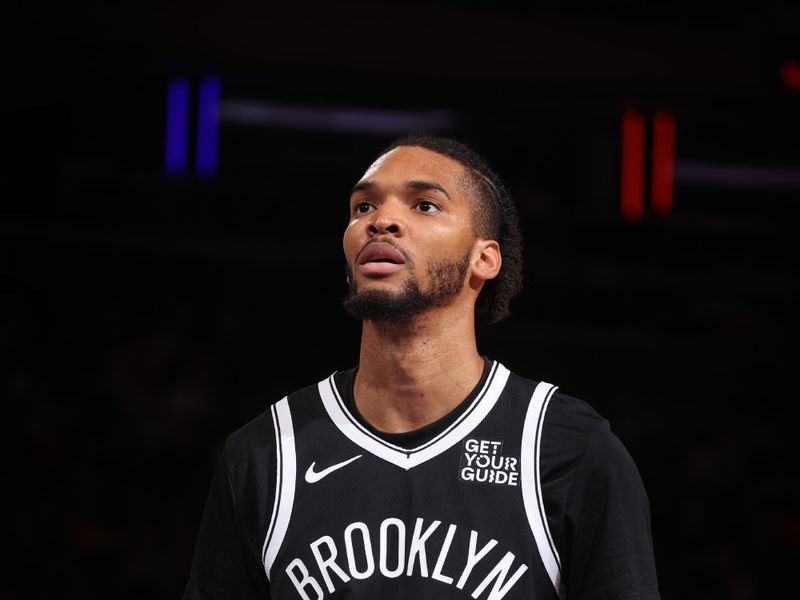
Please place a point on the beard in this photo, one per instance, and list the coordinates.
(446, 280)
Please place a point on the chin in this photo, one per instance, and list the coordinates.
(384, 303)
(388, 283)
(383, 283)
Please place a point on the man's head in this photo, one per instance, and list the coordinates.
(429, 221)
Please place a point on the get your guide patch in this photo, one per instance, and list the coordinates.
(482, 461)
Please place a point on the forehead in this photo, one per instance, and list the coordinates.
(415, 163)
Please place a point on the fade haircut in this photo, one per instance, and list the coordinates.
(494, 217)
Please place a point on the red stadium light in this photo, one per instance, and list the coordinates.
(663, 163)
(790, 75)
(632, 180)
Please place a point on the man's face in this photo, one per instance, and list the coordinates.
(408, 243)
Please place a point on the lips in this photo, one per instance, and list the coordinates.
(380, 252)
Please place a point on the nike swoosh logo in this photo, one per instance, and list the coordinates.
(314, 476)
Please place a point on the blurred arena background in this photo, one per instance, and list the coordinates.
(175, 186)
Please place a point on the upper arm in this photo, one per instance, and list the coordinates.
(224, 563)
(607, 547)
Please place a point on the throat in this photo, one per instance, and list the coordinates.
(403, 414)
(406, 403)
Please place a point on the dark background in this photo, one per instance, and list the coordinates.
(145, 316)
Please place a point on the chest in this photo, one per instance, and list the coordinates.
(450, 518)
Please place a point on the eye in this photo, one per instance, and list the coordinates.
(427, 206)
(362, 207)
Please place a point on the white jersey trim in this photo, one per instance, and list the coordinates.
(408, 458)
(284, 483)
(531, 481)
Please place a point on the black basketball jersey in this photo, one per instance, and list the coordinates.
(311, 502)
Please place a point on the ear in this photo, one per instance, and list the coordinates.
(487, 260)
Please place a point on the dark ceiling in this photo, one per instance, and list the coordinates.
(148, 315)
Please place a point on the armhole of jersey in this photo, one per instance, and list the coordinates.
(531, 481)
(284, 483)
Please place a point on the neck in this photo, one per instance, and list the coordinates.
(410, 374)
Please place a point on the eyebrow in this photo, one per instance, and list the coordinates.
(416, 185)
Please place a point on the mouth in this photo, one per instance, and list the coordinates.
(380, 252)
(380, 258)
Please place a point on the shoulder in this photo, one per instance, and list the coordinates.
(565, 415)
(579, 444)
(573, 432)
(572, 418)
(258, 435)
(574, 422)
(257, 432)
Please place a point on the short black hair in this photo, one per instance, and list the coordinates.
(494, 217)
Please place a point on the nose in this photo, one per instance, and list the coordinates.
(386, 219)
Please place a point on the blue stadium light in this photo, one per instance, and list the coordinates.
(206, 156)
(177, 135)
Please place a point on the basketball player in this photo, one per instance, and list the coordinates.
(428, 470)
